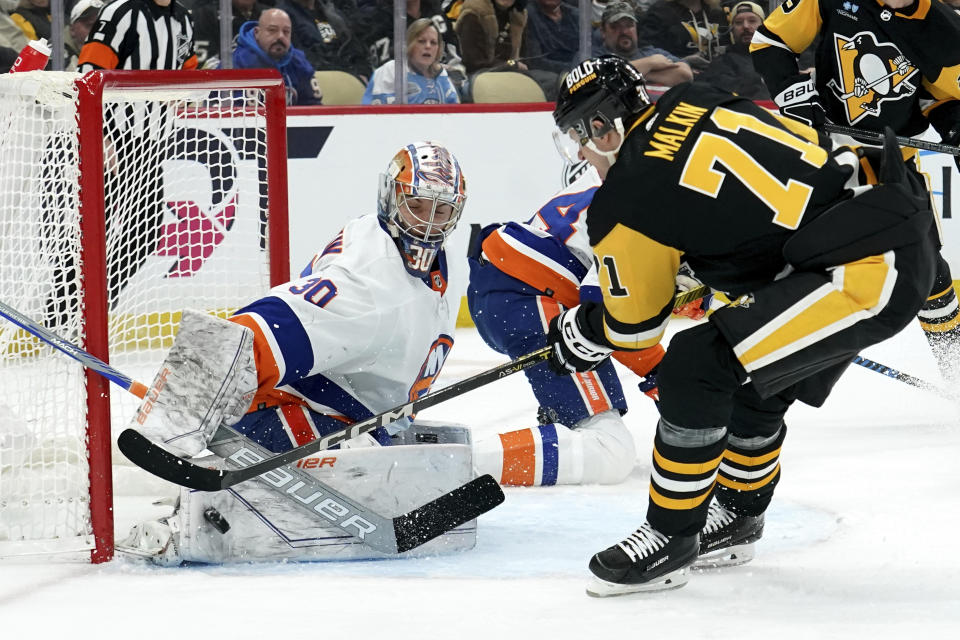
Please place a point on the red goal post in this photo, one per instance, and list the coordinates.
(125, 196)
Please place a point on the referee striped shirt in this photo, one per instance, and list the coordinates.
(140, 34)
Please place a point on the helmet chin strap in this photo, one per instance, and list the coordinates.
(610, 156)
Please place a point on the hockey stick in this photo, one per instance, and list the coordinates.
(913, 381)
(160, 462)
(387, 535)
(914, 143)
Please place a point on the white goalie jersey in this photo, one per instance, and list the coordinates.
(355, 335)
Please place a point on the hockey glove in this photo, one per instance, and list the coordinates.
(800, 100)
(649, 385)
(572, 351)
(695, 309)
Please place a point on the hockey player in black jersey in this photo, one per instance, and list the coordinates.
(826, 265)
(889, 63)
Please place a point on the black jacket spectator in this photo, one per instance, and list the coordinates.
(670, 25)
(206, 24)
(322, 33)
(734, 72)
(33, 18)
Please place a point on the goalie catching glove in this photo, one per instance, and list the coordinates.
(800, 100)
(573, 352)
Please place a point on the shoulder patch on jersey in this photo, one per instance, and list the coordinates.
(789, 5)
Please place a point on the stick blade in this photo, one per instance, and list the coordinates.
(163, 464)
(447, 512)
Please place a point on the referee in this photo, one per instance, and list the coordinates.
(136, 35)
(140, 34)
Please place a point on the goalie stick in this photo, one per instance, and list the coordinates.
(387, 535)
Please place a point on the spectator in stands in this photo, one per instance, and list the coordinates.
(7, 57)
(324, 36)
(33, 18)
(733, 71)
(689, 29)
(492, 34)
(553, 36)
(266, 45)
(82, 18)
(427, 80)
(206, 22)
(618, 31)
(374, 20)
(11, 35)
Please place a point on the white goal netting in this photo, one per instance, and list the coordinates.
(179, 177)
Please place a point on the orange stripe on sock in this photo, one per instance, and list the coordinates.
(519, 458)
(549, 309)
(300, 427)
(592, 390)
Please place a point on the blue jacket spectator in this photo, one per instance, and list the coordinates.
(266, 44)
(553, 34)
(427, 80)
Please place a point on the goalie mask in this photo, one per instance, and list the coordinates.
(420, 201)
(605, 89)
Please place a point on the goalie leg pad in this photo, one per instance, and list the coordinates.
(208, 378)
(265, 525)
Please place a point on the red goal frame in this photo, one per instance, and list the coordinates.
(91, 87)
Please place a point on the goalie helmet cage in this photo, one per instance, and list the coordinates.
(125, 196)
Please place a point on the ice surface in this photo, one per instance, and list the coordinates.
(859, 543)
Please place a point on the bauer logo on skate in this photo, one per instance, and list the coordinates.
(286, 482)
(152, 394)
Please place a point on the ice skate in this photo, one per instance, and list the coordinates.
(155, 541)
(727, 539)
(646, 561)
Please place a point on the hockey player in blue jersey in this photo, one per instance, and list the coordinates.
(366, 327)
(521, 276)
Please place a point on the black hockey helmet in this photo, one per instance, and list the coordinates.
(607, 88)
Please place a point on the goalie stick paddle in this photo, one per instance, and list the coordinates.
(387, 535)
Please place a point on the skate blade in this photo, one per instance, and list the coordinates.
(602, 589)
(730, 557)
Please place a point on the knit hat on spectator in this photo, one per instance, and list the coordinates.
(746, 7)
(84, 6)
(618, 11)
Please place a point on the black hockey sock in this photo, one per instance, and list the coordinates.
(750, 473)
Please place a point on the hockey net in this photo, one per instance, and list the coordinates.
(125, 197)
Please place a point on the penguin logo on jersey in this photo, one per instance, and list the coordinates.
(430, 369)
(871, 73)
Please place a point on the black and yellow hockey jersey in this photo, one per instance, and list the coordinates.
(711, 179)
(875, 66)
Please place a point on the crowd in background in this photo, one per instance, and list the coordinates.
(448, 42)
